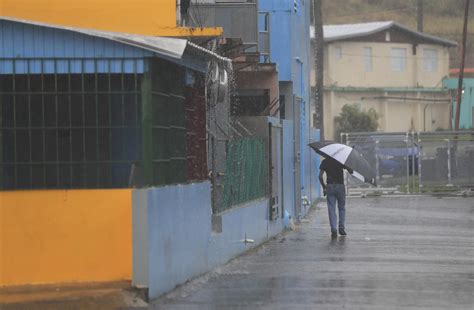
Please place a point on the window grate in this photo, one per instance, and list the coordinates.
(69, 123)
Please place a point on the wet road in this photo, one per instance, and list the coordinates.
(410, 253)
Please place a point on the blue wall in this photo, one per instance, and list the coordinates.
(467, 102)
(18, 40)
(288, 161)
(290, 50)
(249, 220)
(171, 244)
(173, 239)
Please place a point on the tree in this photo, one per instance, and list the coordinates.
(353, 119)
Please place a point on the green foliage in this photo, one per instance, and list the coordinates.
(353, 119)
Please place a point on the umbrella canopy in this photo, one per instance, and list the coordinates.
(348, 157)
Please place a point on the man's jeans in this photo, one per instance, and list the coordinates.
(336, 192)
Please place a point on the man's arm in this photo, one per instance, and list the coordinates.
(348, 169)
(321, 180)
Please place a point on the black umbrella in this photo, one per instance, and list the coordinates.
(348, 157)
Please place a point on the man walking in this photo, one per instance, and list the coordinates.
(335, 192)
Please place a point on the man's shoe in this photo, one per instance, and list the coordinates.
(333, 234)
(342, 232)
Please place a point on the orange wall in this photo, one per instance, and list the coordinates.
(149, 17)
(55, 236)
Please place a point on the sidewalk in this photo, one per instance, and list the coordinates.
(410, 253)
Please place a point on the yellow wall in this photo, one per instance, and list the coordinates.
(349, 69)
(55, 236)
(148, 17)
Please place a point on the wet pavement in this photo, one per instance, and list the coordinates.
(400, 253)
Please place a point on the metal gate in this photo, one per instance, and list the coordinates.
(415, 162)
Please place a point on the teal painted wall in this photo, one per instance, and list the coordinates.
(467, 102)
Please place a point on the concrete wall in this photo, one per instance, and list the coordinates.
(349, 69)
(55, 236)
(173, 239)
(171, 231)
(395, 114)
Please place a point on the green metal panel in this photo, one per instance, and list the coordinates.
(246, 176)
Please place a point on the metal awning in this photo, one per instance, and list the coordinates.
(164, 46)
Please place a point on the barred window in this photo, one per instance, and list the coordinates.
(79, 124)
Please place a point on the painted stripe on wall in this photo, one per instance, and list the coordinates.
(56, 236)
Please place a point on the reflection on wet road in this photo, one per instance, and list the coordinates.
(410, 253)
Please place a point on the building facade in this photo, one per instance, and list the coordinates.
(146, 17)
(128, 154)
(466, 119)
(285, 24)
(385, 66)
(85, 116)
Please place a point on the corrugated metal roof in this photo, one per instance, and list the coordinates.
(346, 31)
(170, 47)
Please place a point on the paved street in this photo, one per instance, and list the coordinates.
(410, 253)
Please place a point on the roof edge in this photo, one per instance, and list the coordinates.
(390, 24)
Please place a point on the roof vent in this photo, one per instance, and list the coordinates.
(387, 36)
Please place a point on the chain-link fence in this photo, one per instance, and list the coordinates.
(246, 175)
(238, 158)
(416, 162)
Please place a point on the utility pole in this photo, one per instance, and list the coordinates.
(318, 55)
(461, 67)
(419, 11)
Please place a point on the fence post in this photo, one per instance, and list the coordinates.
(419, 164)
(215, 207)
(408, 168)
(449, 162)
(377, 164)
(412, 152)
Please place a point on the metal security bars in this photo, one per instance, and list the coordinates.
(69, 123)
(100, 123)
